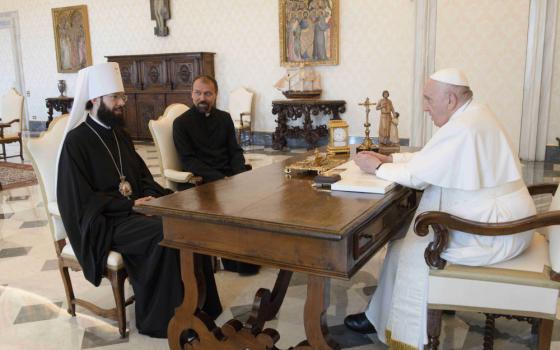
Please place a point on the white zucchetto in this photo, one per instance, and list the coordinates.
(451, 76)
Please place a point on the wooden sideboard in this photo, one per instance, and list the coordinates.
(152, 82)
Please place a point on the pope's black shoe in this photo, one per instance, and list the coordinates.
(359, 323)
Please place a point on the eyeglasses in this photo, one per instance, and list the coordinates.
(123, 97)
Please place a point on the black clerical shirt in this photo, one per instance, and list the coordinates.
(207, 145)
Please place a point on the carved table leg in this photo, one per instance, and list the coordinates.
(50, 113)
(315, 318)
(184, 317)
(434, 328)
(279, 136)
(267, 304)
(489, 329)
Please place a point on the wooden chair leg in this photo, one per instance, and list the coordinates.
(489, 330)
(68, 289)
(21, 150)
(545, 334)
(117, 283)
(4, 151)
(434, 328)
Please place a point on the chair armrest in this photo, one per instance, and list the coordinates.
(443, 222)
(177, 176)
(8, 124)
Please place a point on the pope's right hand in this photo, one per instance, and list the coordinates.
(383, 158)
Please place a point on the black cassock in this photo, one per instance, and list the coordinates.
(208, 148)
(98, 219)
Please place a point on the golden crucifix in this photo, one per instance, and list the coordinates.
(367, 144)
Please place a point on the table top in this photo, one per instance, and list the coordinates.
(268, 198)
(307, 101)
(60, 98)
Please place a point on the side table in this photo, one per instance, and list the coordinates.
(295, 109)
(60, 104)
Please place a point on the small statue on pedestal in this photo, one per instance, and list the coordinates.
(388, 122)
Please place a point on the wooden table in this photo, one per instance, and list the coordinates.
(269, 218)
(298, 108)
(60, 104)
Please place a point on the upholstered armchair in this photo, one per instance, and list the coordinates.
(525, 288)
(169, 161)
(11, 111)
(43, 152)
(240, 107)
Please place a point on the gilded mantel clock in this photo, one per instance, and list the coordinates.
(338, 137)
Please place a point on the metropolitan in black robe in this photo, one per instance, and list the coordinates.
(207, 147)
(97, 219)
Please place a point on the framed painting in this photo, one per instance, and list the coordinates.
(308, 32)
(71, 38)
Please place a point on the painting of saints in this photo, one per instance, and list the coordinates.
(71, 32)
(309, 32)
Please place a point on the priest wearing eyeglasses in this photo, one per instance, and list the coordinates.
(100, 179)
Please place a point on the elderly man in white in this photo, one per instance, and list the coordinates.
(467, 169)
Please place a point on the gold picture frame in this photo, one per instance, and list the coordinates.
(71, 38)
(308, 32)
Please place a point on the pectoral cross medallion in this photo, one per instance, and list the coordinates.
(124, 187)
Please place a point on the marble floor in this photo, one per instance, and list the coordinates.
(32, 301)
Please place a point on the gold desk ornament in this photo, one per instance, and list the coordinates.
(367, 144)
(318, 162)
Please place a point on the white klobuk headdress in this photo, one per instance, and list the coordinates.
(93, 81)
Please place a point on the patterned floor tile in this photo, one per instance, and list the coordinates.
(241, 312)
(17, 198)
(348, 339)
(4, 216)
(14, 252)
(34, 223)
(95, 337)
(50, 265)
(39, 312)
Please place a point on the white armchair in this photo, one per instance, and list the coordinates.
(11, 113)
(240, 108)
(169, 161)
(43, 151)
(525, 288)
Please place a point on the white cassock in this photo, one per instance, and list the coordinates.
(467, 169)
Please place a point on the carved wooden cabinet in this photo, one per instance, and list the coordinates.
(152, 82)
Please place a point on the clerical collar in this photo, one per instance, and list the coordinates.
(95, 119)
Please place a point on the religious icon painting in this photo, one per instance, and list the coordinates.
(71, 38)
(308, 32)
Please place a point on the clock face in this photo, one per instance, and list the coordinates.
(339, 135)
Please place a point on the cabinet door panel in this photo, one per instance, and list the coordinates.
(183, 70)
(129, 74)
(148, 107)
(154, 74)
(130, 121)
(184, 98)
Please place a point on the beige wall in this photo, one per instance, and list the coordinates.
(488, 40)
(376, 48)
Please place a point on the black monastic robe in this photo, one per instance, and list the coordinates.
(97, 219)
(207, 147)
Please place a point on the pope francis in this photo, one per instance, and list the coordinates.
(467, 169)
